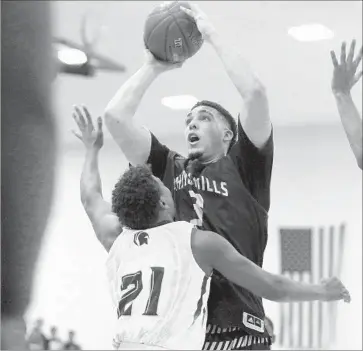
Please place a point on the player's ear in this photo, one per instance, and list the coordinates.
(228, 135)
(162, 203)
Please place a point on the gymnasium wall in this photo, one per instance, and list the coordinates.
(315, 182)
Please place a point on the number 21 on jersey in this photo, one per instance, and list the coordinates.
(132, 285)
(198, 208)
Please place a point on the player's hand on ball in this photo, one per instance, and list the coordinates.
(335, 290)
(160, 66)
(204, 25)
(344, 75)
(90, 137)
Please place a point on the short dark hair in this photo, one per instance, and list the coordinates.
(228, 117)
(135, 198)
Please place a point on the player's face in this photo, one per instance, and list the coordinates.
(166, 197)
(204, 133)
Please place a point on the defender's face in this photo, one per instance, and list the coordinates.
(166, 197)
(204, 133)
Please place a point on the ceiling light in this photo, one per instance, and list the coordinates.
(71, 56)
(311, 32)
(179, 102)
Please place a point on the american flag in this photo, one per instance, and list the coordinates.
(309, 255)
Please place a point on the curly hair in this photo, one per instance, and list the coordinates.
(227, 116)
(135, 198)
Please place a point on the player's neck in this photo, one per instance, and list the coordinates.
(212, 159)
(163, 219)
(206, 159)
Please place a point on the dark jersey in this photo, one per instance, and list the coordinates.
(230, 197)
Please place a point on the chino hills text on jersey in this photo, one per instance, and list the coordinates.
(201, 183)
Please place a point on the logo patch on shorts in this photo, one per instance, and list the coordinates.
(253, 322)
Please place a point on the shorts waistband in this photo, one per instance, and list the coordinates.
(237, 343)
(230, 338)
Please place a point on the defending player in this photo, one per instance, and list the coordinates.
(223, 185)
(159, 270)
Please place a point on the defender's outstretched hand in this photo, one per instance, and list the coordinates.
(335, 290)
(90, 137)
(344, 75)
(204, 25)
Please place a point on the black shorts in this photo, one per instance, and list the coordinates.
(233, 338)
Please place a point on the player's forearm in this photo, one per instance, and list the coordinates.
(352, 123)
(91, 185)
(292, 291)
(239, 71)
(277, 288)
(124, 104)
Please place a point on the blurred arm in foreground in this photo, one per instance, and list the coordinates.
(28, 156)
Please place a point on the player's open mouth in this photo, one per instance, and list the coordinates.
(193, 138)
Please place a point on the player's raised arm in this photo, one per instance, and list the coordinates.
(105, 223)
(134, 140)
(256, 120)
(344, 78)
(214, 252)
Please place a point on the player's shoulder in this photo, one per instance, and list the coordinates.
(117, 241)
(175, 160)
(205, 250)
(206, 243)
(181, 231)
(226, 164)
(108, 230)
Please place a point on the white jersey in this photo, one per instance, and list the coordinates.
(158, 290)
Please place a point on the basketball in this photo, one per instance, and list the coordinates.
(170, 34)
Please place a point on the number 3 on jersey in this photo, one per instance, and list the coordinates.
(198, 208)
(132, 283)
